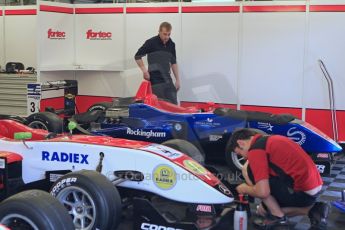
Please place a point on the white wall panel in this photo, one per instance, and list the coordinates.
(209, 66)
(2, 43)
(97, 52)
(56, 52)
(272, 64)
(326, 42)
(20, 39)
(139, 28)
(101, 83)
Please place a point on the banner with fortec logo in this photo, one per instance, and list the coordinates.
(56, 35)
(100, 35)
(100, 40)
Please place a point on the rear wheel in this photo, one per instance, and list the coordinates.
(45, 120)
(186, 148)
(34, 209)
(235, 161)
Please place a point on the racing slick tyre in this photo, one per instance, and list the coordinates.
(235, 161)
(45, 120)
(90, 198)
(100, 106)
(34, 209)
(186, 148)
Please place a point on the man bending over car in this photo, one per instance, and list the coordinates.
(283, 176)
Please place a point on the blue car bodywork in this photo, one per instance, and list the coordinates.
(210, 131)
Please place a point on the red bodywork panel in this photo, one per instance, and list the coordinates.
(11, 157)
(145, 94)
(8, 128)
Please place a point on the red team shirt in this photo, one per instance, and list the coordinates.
(290, 157)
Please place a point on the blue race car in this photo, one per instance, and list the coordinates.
(145, 117)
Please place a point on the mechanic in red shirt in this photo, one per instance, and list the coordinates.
(281, 174)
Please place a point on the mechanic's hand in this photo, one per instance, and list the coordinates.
(177, 85)
(146, 75)
(242, 188)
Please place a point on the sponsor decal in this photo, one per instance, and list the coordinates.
(322, 155)
(224, 189)
(297, 136)
(65, 157)
(62, 184)
(147, 226)
(321, 168)
(100, 35)
(2, 163)
(215, 137)
(194, 167)
(55, 34)
(164, 177)
(204, 208)
(265, 125)
(147, 134)
(163, 151)
(208, 121)
(178, 127)
(54, 177)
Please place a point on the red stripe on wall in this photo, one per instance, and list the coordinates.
(297, 112)
(55, 102)
(56, 9)
(110, 10)
(327, 8)
(21, 12)
(341, 125)
(290, 8)
(133, 10)
(84, 102)
(210, 9)
(321, 119)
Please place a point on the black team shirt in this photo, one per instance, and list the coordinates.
(160, 57)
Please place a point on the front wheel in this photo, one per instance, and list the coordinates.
(34, 209)
(90, 198)
(235, 161)
(186, 148)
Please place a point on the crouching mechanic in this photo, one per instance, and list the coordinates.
(283, 176)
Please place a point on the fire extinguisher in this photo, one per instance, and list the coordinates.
(241, 216)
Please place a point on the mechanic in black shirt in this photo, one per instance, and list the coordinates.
(161, 56)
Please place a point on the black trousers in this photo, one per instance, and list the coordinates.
(165, 91)
(284, 194)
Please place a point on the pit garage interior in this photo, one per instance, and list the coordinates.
(279, 57)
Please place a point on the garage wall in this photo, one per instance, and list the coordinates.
(209, 58)
(326, 42)
(56, 37)
(99, 33)
(272, 57)
(20, 30)
(2, 42)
